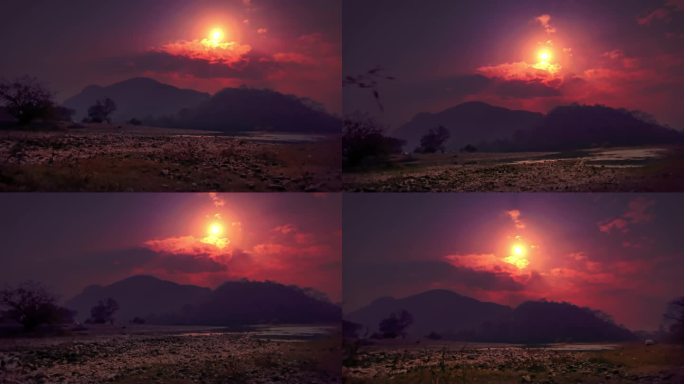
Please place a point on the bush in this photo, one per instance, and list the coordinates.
(101, 111)
(26, 99)
(363, 142)
(31, 305)
(103, 312)
(395, 325)
(434, 140)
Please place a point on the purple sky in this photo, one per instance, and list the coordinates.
(292, 47)
(69, 241)
(621, 253)
(622, 53)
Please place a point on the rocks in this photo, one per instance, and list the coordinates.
(120, 162)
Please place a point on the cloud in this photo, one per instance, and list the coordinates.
(514, 215)
(663, 13)
(218, 202)
(638, 212)
(545, 21)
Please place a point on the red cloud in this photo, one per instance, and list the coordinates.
(545, 21)
(637, 213)
(663, 13)
(514, 214)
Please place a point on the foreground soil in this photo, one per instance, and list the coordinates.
(169, 358)
(163, 160)
(452, 363)
(519, 172)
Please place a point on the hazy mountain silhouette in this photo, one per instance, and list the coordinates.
(468, 123)
(245, 109)
(139, 296)
(463, 318)
(233, 303)
(247, 302)
(584, 126)
(139, 98)
(438, 311)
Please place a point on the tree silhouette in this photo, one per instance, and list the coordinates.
(434, 140)
(363, 141)
(26, 99)
(673, 319)
(102, 111)
(32, 305)
(395, 325)
(103, 312)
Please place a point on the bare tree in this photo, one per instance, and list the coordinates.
(32, 305)
(102, 111)
(395, 325)
(103, 312)
(434, 140)
(26, 99)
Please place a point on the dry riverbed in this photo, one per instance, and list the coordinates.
(583, 171)
(163, 160)
(454, 363)
(180, 358)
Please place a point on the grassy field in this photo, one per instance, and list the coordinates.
(171, 357)
(627, 363)
(109, 159)
(575, 171)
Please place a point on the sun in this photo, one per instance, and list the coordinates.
(215, 39)
(215, 229)
(544, 56)
(518, 256)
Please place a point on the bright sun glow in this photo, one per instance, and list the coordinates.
(518, 256)
(215, 229)
(544, 56)
(216, 39)
(215, 235)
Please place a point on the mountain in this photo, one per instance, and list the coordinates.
(439, 311)
(469, 123)
(463, 318)
(233, 303)
(139, 296)
(139, 98)
(247, 302)
(245, 109)
(584, 126)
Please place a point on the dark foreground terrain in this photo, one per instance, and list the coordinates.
(594, 170)
(473, 363)
(178, 356)
(108, 158)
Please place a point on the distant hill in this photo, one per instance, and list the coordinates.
(140, 98)
(583, 126)
(245, 109)
(233, 303)
(462, 318)
(245, 302)
(139, 296)
(438, 311)
(468, 123)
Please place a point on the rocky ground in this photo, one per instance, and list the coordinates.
(179, 359)
(512, 364)
(510, 173)
(125, 161)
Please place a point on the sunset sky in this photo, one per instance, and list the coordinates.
(292, 47)
(620, 253)
(525, 54)
(70, 241)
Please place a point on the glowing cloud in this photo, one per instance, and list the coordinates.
(514, 215)
(545, 21)
(214, 49)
